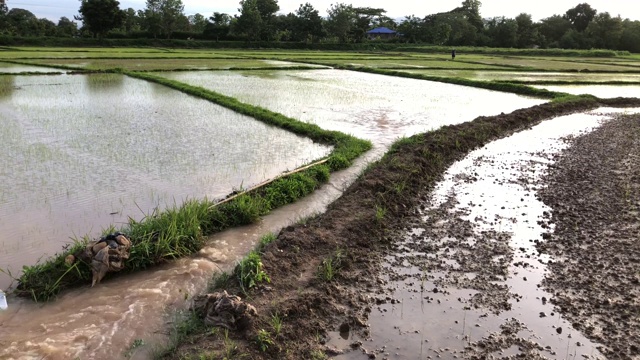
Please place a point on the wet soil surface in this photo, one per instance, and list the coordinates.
(594, 191)
(360, 233)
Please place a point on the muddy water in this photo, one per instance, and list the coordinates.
(103, 322)
(464, 280)
(82, 152)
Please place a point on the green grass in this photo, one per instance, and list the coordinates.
(250, 272)
(330, 266)
(173, 233)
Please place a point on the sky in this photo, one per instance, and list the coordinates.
(55, 9)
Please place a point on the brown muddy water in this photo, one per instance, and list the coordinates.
(103, 322)
(464, 280)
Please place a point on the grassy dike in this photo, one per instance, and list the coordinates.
(181, 230)
(339, 250)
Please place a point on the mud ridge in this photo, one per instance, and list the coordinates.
(360, 225)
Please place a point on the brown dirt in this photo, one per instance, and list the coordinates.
(311, 307)
(594, 191)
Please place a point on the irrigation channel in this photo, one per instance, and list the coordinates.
(487, 210)
(102, 322)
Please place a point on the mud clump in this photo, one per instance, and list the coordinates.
(594, 191)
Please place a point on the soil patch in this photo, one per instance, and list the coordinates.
(594, 191)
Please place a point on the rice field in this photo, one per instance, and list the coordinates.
(86, 151)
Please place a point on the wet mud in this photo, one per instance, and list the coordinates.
(467, 283)
(594, 194)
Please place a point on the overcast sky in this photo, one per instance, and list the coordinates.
(54, 9)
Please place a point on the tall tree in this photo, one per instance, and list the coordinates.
(553, 29)
(340, 21)
(471, 10)
(411, 29)
(66, 27)
(249, 23)
(100, 16)
(503, 31)
(363, 21)
(580, 16)
(218, 26)
(630, 39)
(605, 31)
(308, 24)
(527, 33)
(197, 22)
(164, 16)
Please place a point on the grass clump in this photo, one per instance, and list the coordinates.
(264, 340)
(250, 272)
(330, 266)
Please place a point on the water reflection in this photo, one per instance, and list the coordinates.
(101, 82)
(7, 86)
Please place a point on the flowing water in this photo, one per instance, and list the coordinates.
(494, 190)
(103, 322)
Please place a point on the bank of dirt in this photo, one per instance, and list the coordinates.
(594, 191)
(360, 227)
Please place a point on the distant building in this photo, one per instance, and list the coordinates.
(381, 33)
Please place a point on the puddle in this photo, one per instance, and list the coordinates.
(465, 276)
(83, 152)
(601, 91)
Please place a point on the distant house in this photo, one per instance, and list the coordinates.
(381, 33)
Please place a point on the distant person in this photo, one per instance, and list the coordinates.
(453, 54)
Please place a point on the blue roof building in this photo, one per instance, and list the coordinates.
(382, 33)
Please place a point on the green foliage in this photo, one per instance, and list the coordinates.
(266, 240)
(249, 272)
(100, 16)
(264, 340)
(276, 324)
(330, 266)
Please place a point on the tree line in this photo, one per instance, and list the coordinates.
(581, 27)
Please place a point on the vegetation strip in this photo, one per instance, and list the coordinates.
(180, 231)
(311, 306)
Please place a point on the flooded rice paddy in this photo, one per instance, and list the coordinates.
(9, 68)
(465, 279)
(168, 64)
(374, 107)
(82, 152)
(104, 145)
(528, 76)
(601, 91)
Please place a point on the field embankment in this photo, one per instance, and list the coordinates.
(320, 269)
